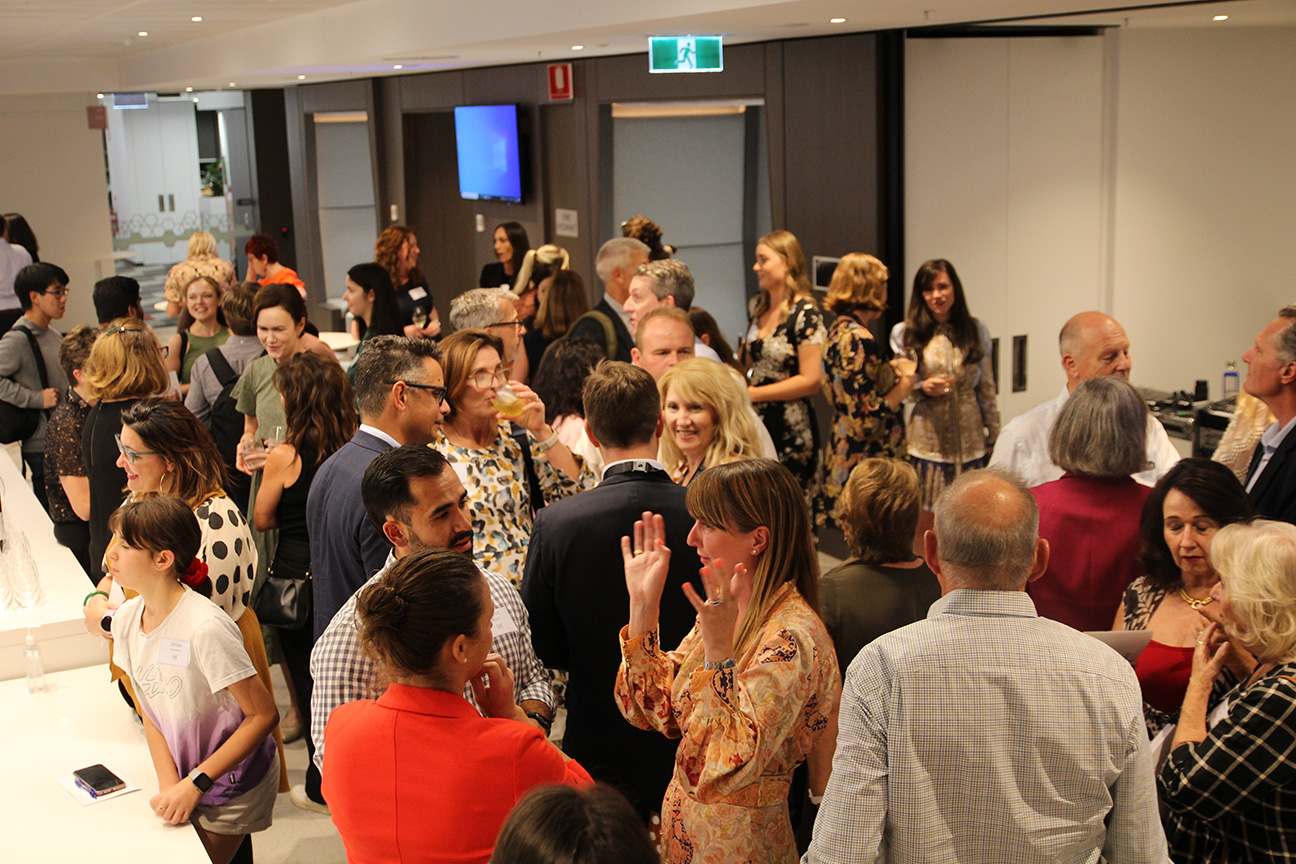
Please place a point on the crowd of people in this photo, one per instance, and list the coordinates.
(605, 516)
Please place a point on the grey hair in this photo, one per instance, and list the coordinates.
(670, 277)
(988, 550)
(384, 361)
(1102, 430)
(1285, 340)
(478, 308)
(615, 253)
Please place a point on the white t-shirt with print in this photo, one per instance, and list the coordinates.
(180, 673)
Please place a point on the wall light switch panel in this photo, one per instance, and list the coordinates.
(481, 223)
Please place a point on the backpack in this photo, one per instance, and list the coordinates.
(19, 424)
(609, 335)
(226, 425)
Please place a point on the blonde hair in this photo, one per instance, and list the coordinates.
(859, 282)
(785, 245)
(744, 495)
(125, 362)
(715, 386)
(202, 244)
(878, 510)
(1257, 564)
(546, 260)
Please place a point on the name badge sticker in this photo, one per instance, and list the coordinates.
(174, 652)
(417, 293)
(502, 622)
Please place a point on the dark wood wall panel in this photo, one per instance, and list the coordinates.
(831, 143)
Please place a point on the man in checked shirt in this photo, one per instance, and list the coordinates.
(417, 502)
(986, 733)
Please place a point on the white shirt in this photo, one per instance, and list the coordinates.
(1270, 441)
(12, 259)
(701, 349)
(987, 733)
(379, 434)
(1023, 446)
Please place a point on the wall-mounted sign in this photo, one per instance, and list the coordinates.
(685, 54)
(566, 223)
(560, 82)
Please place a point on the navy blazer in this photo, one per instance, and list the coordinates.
(1274, 494)
(574, 590)
(345, 547)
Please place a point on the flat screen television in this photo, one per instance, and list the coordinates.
(490, 161)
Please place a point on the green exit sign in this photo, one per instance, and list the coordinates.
(685, 54)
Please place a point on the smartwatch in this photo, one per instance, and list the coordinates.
(201, 781)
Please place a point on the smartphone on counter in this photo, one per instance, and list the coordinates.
(98, 780)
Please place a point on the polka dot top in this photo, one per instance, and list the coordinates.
(229, 552)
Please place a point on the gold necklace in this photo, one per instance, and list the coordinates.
(1194, 602)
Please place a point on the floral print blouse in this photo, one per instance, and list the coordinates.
(741, 731)
(856, 378)
(499, 500)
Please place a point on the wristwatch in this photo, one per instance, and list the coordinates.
(201, 781)
(714, 665)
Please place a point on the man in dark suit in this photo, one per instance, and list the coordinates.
(400, 389)
(1271, 378)
(574, 585)
(615, 263)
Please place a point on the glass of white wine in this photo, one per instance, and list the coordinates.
(906, 363)
(420, 318)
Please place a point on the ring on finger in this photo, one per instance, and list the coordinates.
(715, 601)
(638, 551)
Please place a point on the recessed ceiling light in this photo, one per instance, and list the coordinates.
(142, 33)
(301, 77)
(196, 18)
(1220, 18)
(398, 66)
(98, 95)
(578, 47)
(195, 100)
(188, 89)
(231, 84)
(836, 20)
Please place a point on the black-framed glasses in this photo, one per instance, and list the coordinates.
(55, 292)
(131, 455)
(514, 323)
(438, 392)
(484, 379)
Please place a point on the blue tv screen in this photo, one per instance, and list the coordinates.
(490, 166)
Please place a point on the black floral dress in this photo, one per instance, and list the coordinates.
(791, 423)
(856, 377)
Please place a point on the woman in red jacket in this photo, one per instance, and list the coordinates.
(420, 775)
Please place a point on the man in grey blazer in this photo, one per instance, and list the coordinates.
(400, 389)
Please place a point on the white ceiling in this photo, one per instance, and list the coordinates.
(93, 45)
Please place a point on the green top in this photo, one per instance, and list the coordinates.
(255, 395)
(365, 337)
(198, 346)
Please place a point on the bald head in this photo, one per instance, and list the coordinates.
(1093, 345)
(986, 535)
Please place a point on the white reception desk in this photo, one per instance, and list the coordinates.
(56, 620)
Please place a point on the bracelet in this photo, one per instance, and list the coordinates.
(104, 594)
(545, 723)
(545, 446)
(716, 665)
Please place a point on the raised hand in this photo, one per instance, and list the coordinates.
(718, 614)
(493, 688)
(647, 562)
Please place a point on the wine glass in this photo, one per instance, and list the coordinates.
(906, 362)
(420, 318)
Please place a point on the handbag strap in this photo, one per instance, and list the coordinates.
(40, 358)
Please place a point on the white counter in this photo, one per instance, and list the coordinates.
(81, 720)
(56, 620)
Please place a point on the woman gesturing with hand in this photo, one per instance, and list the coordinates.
(749, 689)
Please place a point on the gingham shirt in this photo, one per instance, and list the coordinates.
(987, 733)
(344, 673)
(1240, 783)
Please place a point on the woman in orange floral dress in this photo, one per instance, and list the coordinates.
(750, 689)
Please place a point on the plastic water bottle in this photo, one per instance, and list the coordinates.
(1230, 380)
(35, 665)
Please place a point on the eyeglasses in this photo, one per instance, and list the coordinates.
(484, 379)
(514, 323)
(438, 392)
(55, 292)
(131, 455)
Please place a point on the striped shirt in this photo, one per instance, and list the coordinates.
(344, 673)
(987, 733)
